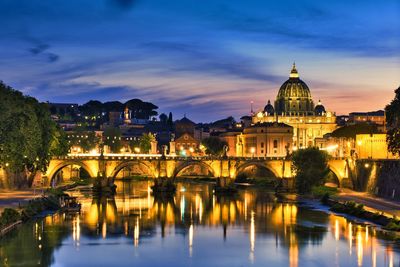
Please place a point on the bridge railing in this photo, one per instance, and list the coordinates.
(158, 156)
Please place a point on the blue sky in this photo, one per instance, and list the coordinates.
(207, 59)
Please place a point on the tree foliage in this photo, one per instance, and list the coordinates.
(214, 145)
(87, 140)
(28, 136)
(311, 166)
(393, 123)
(145, 142)
(112, 139)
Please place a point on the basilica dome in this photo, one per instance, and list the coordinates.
(294, 96)
(269, 109)
(320, 109)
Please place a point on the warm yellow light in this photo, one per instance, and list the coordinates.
(366, 165)
(259, 114)
(191, 150)
(253, 150)
(137, 150)
(181, 148)
(359, 142)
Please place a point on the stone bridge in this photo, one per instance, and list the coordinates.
(170, 166)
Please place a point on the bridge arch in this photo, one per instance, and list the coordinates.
(150, 169)
(53, 171)
(241, 168)
(181, 167)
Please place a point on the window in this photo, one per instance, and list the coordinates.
(262, 144)
(275, 143)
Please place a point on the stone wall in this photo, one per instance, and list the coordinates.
(379, 177)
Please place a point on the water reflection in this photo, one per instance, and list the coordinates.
(198, 228)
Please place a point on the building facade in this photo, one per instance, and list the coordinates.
(267, 139)
(294, 106)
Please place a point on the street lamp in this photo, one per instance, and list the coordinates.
(137, 150)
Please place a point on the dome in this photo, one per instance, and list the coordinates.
(294, 87)
(269, 109)
(294, 96)
(319, 109)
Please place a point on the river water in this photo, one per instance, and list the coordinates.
(195, 228)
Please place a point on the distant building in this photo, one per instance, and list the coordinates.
(267, 139)
(184, 126)
(186, 145)
(373, 117)
(231, 138)
(372, 146)
(294, 106)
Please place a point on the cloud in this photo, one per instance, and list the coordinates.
(39, 49)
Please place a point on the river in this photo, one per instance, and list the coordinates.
(195, 228)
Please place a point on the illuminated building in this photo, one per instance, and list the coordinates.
(294, 106)
(372, 146)
(267, 139)
(376, 117)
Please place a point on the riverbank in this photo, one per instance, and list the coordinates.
(371, 203)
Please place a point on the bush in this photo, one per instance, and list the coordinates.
(9, 216)
(392, 226)
(321, 191)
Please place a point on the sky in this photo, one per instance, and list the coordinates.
(207, 59)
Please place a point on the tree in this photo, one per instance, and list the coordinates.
(170, 121)
(163, 118)
(112, 139)
(28, 136)
(140, 109)
(214, 145)
(311, 167)
(393, 123)
(145, 142)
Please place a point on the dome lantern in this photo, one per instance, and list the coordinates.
(293, 72)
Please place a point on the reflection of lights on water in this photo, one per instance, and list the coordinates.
(190, 239)
(337, 229)
(182, 207)
(136, 233)
(366, 234)
(199, 207)
(104, 230)
(245, 207)
(76, 230)
(126, 228)
(252, 236)
(390, 256)
(350, 238)
(373, 252)
(359, 246)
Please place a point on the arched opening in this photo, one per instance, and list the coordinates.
(194, 170)
(331, 179)
(257, 174)
(68, 173)
(132, 170)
